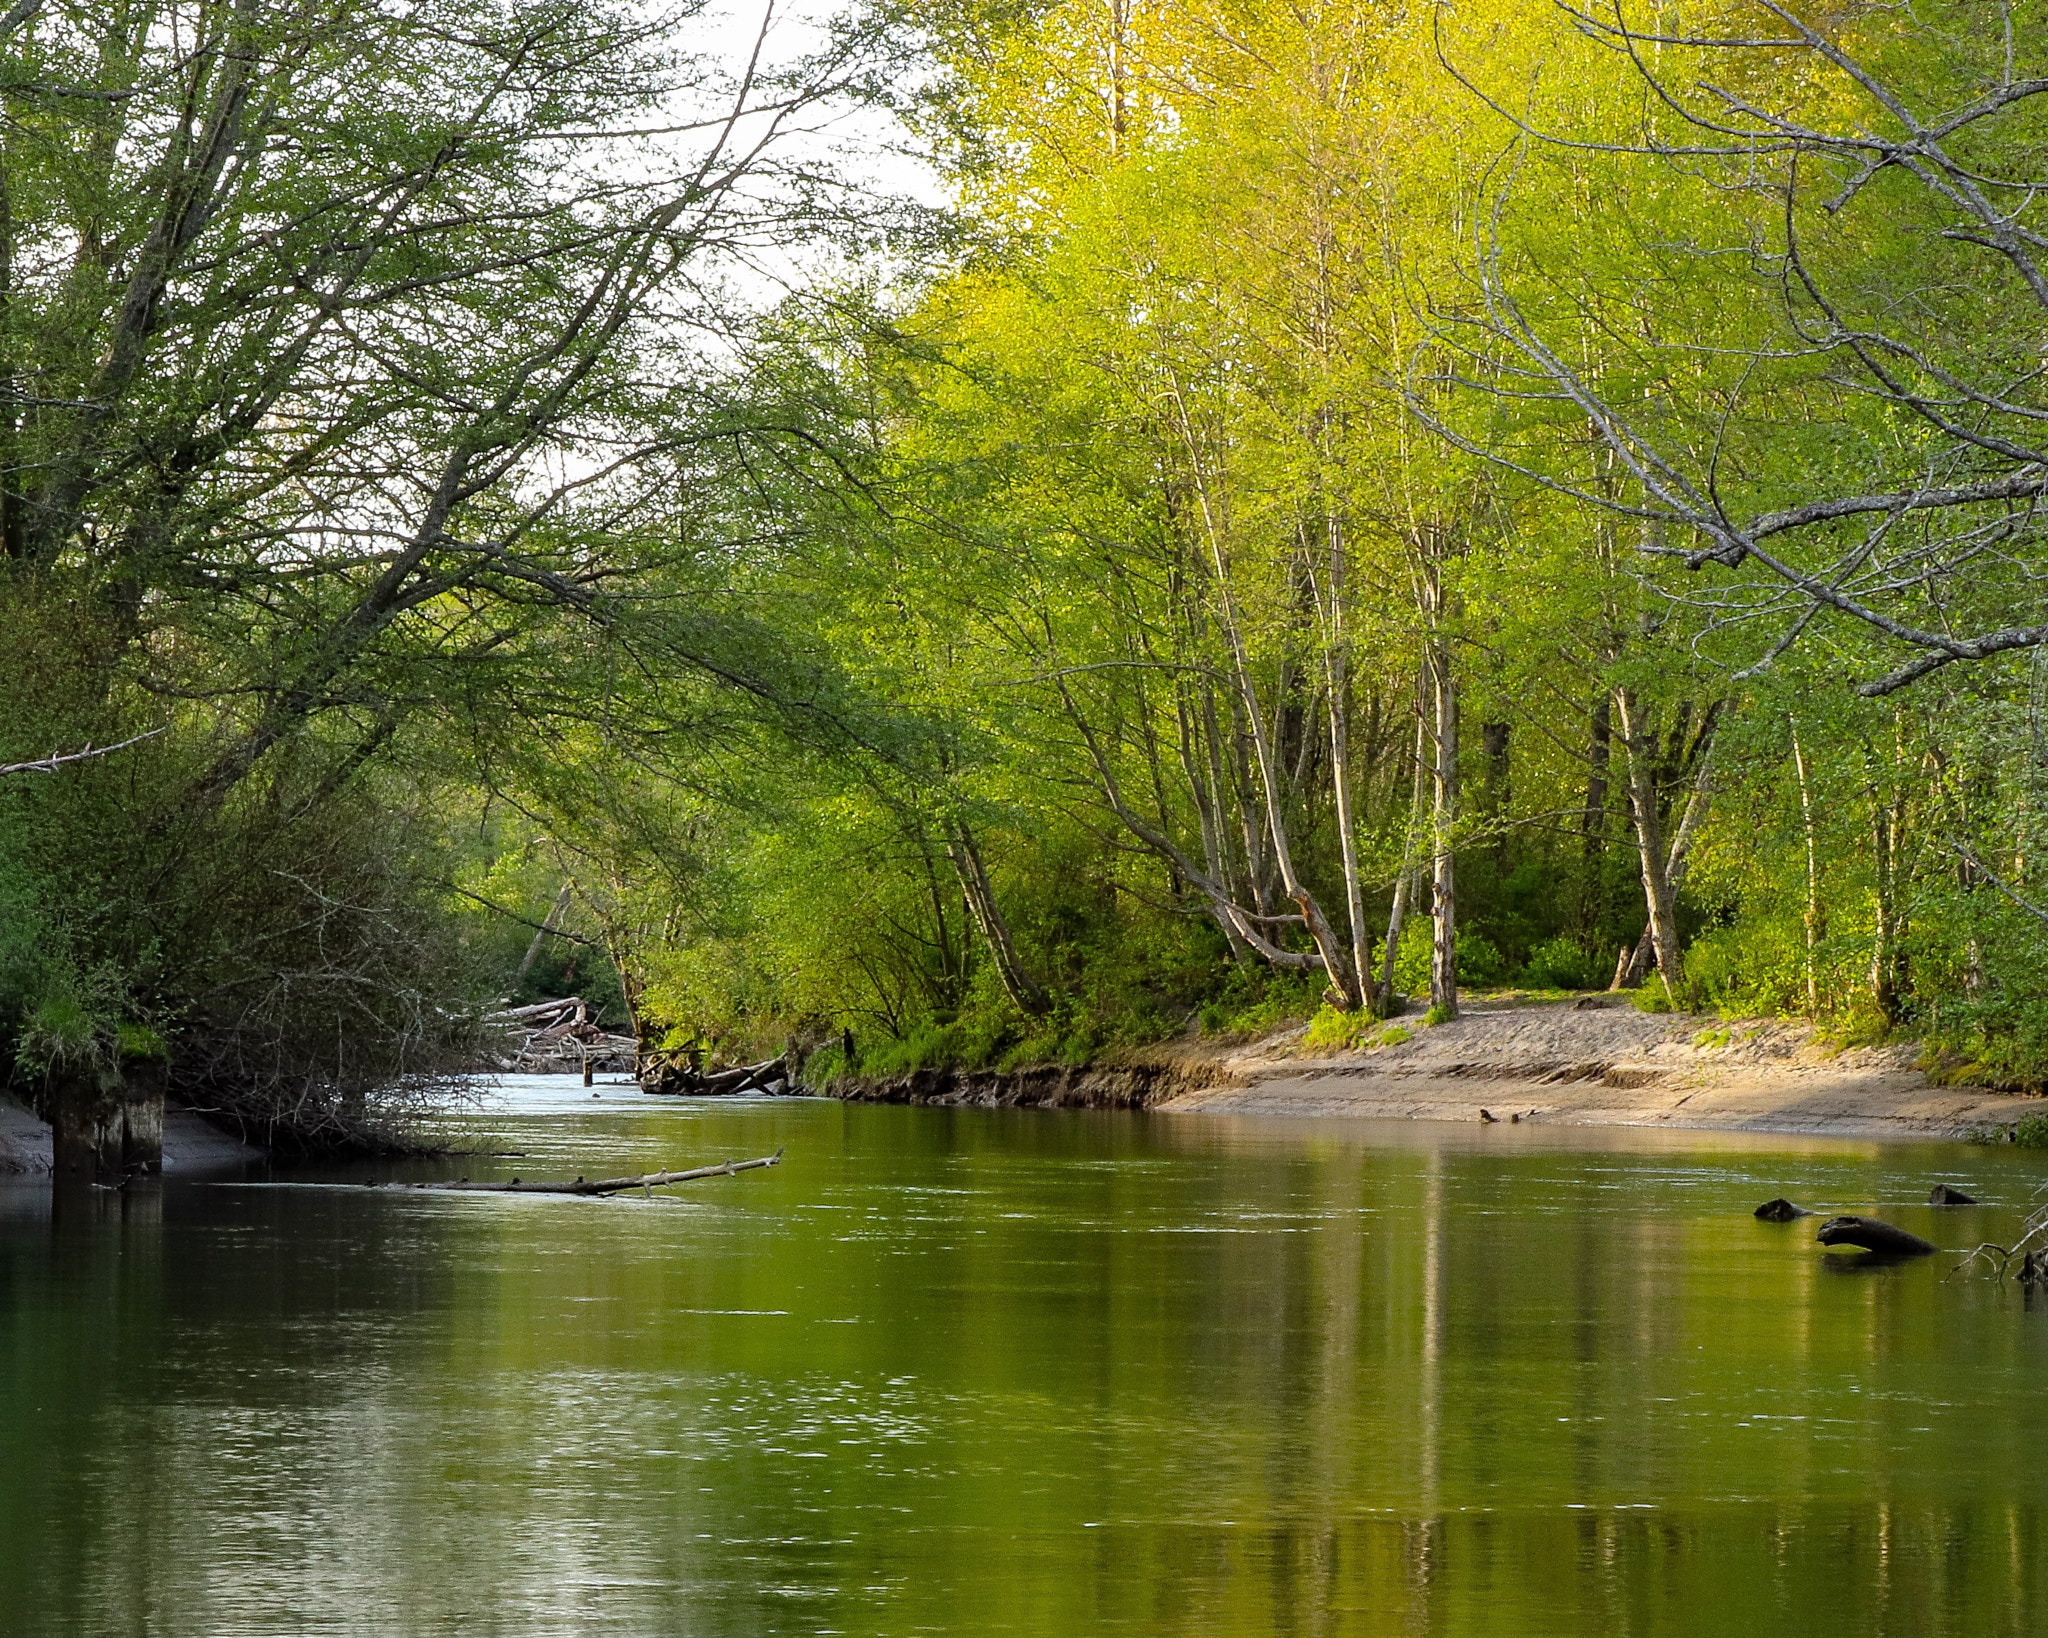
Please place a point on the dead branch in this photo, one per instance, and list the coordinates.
(609, 1185)
(59, 759)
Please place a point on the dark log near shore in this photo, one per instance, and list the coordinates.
(609, 1185)
(1883, 1238)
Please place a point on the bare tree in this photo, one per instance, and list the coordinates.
(1878, 170)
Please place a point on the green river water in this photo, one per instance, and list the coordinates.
(988, 1372)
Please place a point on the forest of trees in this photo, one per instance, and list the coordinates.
(1345, 502)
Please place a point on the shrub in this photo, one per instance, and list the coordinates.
(1334, 1031)
(1562, 964)
(2029, 1132)
(1479, 959)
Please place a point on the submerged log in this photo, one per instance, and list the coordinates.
(1942, 1195)
(1884, 1238)
(608, 1185)
(1781, 1211)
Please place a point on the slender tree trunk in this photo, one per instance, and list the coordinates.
(11, 536)
(1028, 994)
(548, 923)
(1343, 983)
(1340, 773)
(1593, 822)
(1443, 962)
(1815, 918)
(1404, 881)
(1658, 895)
(1885, 936)
(1213, 743)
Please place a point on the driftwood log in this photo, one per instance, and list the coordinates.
(1885, 1239)
(607, 1185)
(1781, 1211)
(1942, 1195)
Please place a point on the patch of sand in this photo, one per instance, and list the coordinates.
(1601, 1062)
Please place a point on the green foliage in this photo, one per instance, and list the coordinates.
(1333, 1031)
(955, 669)
(1562, 963)
(2028, 1132)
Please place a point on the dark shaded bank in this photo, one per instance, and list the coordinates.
(191, 1143)
(1133, 1080)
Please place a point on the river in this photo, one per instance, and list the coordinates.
(989, 1372)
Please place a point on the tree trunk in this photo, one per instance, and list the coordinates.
(1028, 994)
(1361, 988)
(1816, 917)
(548, 923)
(1593, 824)
(1885, 963)
(1404, 880)
(1443, 959)
(1658, 894)
(1343, 981)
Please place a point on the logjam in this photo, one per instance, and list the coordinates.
(608, 1185)
(558, 1038)
(681, 1077)
(1867, 1232)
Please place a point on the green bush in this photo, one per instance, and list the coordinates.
(1334, 1031)
(1480, 961)
(1752, 968)
(2029, 1132)
(1562, 964)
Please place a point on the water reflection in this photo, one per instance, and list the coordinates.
(988, 1372)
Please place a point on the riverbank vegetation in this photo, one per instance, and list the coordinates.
(1344, 505)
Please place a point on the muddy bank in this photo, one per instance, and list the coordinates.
(1596, 1062)
(1137, 1079)
(190, 1143)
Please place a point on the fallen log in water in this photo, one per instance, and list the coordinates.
(608, 1185)
(1885, 1239)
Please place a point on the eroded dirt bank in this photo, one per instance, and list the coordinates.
(190, 1143)
(1143, 1078)
(1588, 1063)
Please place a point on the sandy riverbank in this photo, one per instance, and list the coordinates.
(1596, 1061)
(1601, 1062)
